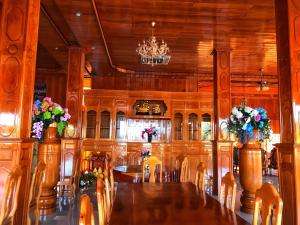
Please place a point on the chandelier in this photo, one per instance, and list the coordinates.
(262, 85)
(152, 53)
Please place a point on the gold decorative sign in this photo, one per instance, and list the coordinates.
(150, 107)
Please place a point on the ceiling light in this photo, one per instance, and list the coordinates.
(262, 85)
(56, 48)
(78, 14)
(152, 52)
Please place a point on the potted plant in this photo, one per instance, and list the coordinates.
(48, 121)
(250, 126)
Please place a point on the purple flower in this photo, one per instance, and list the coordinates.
(257, 118)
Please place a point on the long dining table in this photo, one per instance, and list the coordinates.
(168, 204)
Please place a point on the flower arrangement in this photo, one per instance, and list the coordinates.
(244, 120)
(46, 113)
(145, 153)
(150, 131)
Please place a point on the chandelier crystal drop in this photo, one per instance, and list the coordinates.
(151, 52)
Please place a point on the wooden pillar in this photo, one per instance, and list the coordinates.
(288, 60)
(18, 48)
(74, 96)
(222, 146)
(71, 144)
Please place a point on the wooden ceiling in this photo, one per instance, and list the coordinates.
(192, 28)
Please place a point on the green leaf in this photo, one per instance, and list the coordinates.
(56, 111)
(60, 127)
(47, 115)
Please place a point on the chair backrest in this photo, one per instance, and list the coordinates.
(10, 196)
(107, 193)
(268, 202)
(228, 189)
(101, 201)
(35, 189)
(86, 211)
(36, 183)
(200, 175)
(152, 162)
(184, 173)
(112, 182)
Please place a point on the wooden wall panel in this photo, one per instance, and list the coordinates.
(56, 86)
(18, 48)
(149, 83)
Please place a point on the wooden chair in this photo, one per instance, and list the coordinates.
(86, 211)
(9, 200)
(152, 162)
(228, 187)
(101, 202)
(70, 184)
(112, 182)
(184, 173)
(107, 195)
(35, 192)
(268, 202)
(200, 175)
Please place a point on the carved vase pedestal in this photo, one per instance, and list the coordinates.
(49, 152)
(250, 174)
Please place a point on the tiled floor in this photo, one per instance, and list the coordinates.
(67, 212)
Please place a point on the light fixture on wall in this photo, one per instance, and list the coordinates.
(262, 85)
(152, 52)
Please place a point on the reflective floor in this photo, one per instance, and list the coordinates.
(67, 212)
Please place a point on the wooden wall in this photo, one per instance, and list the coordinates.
(56, 85)
(124, 152)
(150, 82)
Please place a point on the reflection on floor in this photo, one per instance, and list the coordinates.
(67, 212)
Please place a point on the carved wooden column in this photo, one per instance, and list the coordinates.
(18, 47)
(288, 51)
(71, 144)
(222, 146)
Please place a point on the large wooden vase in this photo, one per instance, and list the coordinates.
(250, 173)
(49, 152)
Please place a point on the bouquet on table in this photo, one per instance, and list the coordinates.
(244, 120)
(46, 113)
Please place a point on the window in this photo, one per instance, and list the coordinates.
(91, 124)
(105, 125)
(178, 125)
(120, 125)
(193, 127)
(206, 127)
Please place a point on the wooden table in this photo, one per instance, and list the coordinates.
(131, 173)
(168, 204)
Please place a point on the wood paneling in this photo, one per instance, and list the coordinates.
(56, 85)
(288, 46)
(128, 153)
(221, 145)
(190, 28)
(74, 95)
(18, 47)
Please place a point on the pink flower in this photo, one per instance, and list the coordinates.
(67, 116)
(48, 99)
(257, 118)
